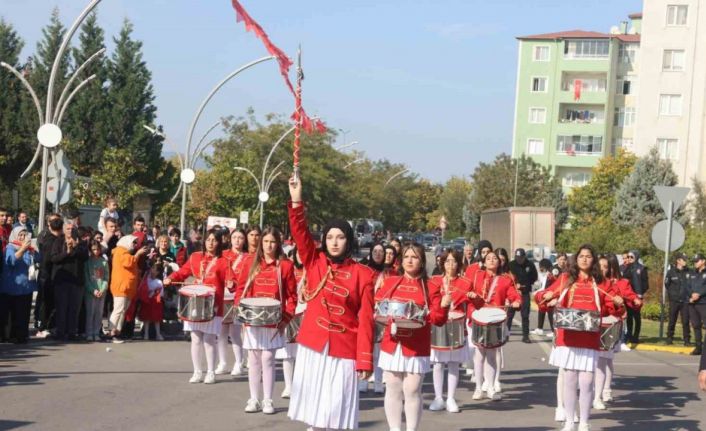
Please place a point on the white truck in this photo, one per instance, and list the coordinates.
(531, 228)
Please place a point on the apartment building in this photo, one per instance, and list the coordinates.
(576, 97)
(672, 96)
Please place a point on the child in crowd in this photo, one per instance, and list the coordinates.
(150, 293)
(96, 274)
(110, 210)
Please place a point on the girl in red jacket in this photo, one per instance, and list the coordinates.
(582, 287)
(458, 286)
(489, 288)
(336, 335)
(266, 274)
(235, 256)
(208, 268)
(404, 352)
(604, 368)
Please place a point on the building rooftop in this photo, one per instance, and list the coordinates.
(581, 34)
(637, 15)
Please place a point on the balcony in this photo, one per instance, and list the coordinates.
(579, 145)
(581, 114)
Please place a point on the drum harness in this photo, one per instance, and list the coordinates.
(425, 311)
(249, 283)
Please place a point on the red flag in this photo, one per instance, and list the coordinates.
(577, 89)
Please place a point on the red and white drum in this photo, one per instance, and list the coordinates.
(452, 335)
(292, 328)
(228, 307)
(611, 331)
(489, 327)
(196, 303)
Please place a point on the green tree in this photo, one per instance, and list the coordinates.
(47, 49)
(494, 187)
(452, 200)
(696, 207)
(424, 202)
(130, 99)
(636, 203)
(114, 179)
(597, 198)
(85, 122)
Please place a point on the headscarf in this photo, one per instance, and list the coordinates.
(347, 231)
(15, 234)
(126, 242)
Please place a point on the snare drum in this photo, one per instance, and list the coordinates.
(489, 327)
(196, 303)
(292, 329)
(574, 319)
(450, 336)
(228, 310)
(611, 331)
(259, 311)
(404, 314)
(379, 332)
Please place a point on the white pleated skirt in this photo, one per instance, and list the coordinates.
(399, 363)
(210, 327)
(289, 351)
(460, 355)
(324, 390)
(261, 338)
(574, 358)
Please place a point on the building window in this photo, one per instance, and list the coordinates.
(626, 85)
(676, 14)
(541, 53)
(586, 48)
(537, 115)
(627, 53)
(618, 143)
(668, 148)
(624, 117)
(539, 85)
(576, 179)
(535, 147)
(670, 104)
(673, 60)
(579, 144)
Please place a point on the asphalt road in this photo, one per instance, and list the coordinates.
(143, 386)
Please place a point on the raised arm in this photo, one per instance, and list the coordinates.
(298, 224)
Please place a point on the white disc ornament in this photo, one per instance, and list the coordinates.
(188, 176)
(263, 196)
(49, 135)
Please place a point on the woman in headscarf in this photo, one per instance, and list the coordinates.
(336, 336)
(18, 283)
(124, 278)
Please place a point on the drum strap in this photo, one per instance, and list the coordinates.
(202, 271)
(493, 286)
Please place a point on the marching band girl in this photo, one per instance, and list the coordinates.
(209, 268)
(582, 287)
(336, 335)
(253, 235)
(378, 262)
(490, 289)
(604, 368)
(404, 352)
(265, 275)
(484, 246)
(234, 255)
(451, 282)
(397, 245)
(288, 353)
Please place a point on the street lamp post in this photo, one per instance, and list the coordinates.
(49, 133)
(343, 147)
(389, 180)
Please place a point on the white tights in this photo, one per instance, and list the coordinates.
(604, 376)
(439, 379)
(403, 388)
(201, 341)
(234, 331)
(481, 358)
(581, 381)
(288, 371)
(261, 369)
(560, 389)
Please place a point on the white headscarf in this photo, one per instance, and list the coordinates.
(15, 234)
(127, 242)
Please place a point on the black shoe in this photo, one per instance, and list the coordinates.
(696, 351)
(669, 341)
(526, 340)
(688, 344)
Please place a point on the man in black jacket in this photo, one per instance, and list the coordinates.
(697, 300)
(525, 275)
(636, 273)
(677, 285)
(44, 307)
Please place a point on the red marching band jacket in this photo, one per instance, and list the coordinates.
(209, 270)
(492, 291)
(415, 342)
(339, 308)
(583, 298)
(266, 284)
(458, 287)
(471, 270)
(621, 287)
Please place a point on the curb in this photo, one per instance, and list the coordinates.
(660, 348)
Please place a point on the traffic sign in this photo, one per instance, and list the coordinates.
(56, 191)
(676, 195)
(60, 163)
(244, 217)
(659, 235)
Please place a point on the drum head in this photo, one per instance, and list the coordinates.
(609, 320)
(489, 315)
(300, 308)
(259, 302)
(455, 315)
(196, 290)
